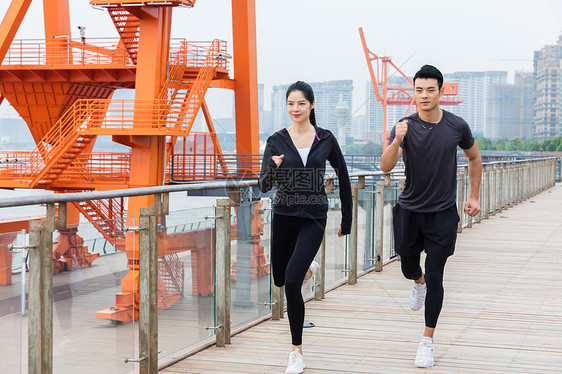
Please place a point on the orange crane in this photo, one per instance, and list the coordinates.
(397, 95)
(63, 88)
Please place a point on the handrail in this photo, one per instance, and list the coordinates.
(504, 184)
(96, 195)
(65, 51)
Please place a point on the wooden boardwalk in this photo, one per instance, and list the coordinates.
(502, 311)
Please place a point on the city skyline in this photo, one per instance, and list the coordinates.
(319, 41)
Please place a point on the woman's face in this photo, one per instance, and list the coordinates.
(299, 107)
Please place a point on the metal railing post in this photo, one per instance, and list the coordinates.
(500, 188)
(222, 271)
(487, 193)
(507, 186)
(148, 290)
(352, 251)
(40, 323)
(481, 195)
(520, 182)
(526, 181)
(467, 190)
(379, 224)
(493, 192)
(460, 199)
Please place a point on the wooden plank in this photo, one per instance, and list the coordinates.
(501, 311)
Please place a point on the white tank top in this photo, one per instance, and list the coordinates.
(303, 152)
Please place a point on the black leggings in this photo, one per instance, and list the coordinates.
(434, 266)
(295, 241)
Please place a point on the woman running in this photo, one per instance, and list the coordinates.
(295, 160)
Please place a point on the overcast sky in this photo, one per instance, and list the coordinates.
(318, 40)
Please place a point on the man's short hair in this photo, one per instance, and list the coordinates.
(428, 72)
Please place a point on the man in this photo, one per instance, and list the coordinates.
(425, 217)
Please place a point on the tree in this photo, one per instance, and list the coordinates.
(515, 144)
(372, 149)
(500, 145)
(532, 146)
(484, 144)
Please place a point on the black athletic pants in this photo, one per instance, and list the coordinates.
(436, 233)
(434, 266)
(295, 241)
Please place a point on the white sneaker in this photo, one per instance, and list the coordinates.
(310, 283)
(314, 267)
(424, 355)
(417, 298)
(296, 363)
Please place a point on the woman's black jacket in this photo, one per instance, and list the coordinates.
(300, 188)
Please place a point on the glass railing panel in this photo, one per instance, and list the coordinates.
(13, 284)
(336, 247)
(250, 267)
(186, 296)
(365, 228)
(94, 298)
(390, 199)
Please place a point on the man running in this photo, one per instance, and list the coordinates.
(425, 217)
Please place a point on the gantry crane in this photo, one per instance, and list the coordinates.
(397, 95)
(62, 87)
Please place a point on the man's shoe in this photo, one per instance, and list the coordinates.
(424, 355)
(296, 363)
(417, 298)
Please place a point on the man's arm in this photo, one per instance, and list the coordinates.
(472, 205)
(393, 151)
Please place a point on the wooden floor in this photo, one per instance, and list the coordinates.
(502, 311)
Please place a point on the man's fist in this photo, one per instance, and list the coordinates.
(401, 130)
(472, 207)
(278, 160)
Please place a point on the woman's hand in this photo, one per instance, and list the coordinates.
(340, 233)
(277, 159)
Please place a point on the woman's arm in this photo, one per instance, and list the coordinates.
(338, 163)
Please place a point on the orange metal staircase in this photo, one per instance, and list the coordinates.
(171, 278)
(107, 216)
(127, 26)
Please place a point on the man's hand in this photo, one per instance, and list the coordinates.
(401, 130)
(277, 159)
(472, 207)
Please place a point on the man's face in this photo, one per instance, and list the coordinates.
(427, 93)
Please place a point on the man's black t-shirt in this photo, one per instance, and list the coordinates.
(430, 158)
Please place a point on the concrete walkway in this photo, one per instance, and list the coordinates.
(502, 311)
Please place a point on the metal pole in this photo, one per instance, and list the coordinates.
(40, 323)
(379, 224)
(35, 353)
(23, 271)
(487, 204)
(500, 188)
(222, 249)
(481, 195)
(148, 290)
(493, 195)
(352, 252)
(460, 199)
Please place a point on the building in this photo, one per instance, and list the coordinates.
(547, 66)
(510, 108)
(343, 121)
(473, 88)
(326, 94)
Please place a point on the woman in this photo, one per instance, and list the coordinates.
(295, 160)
